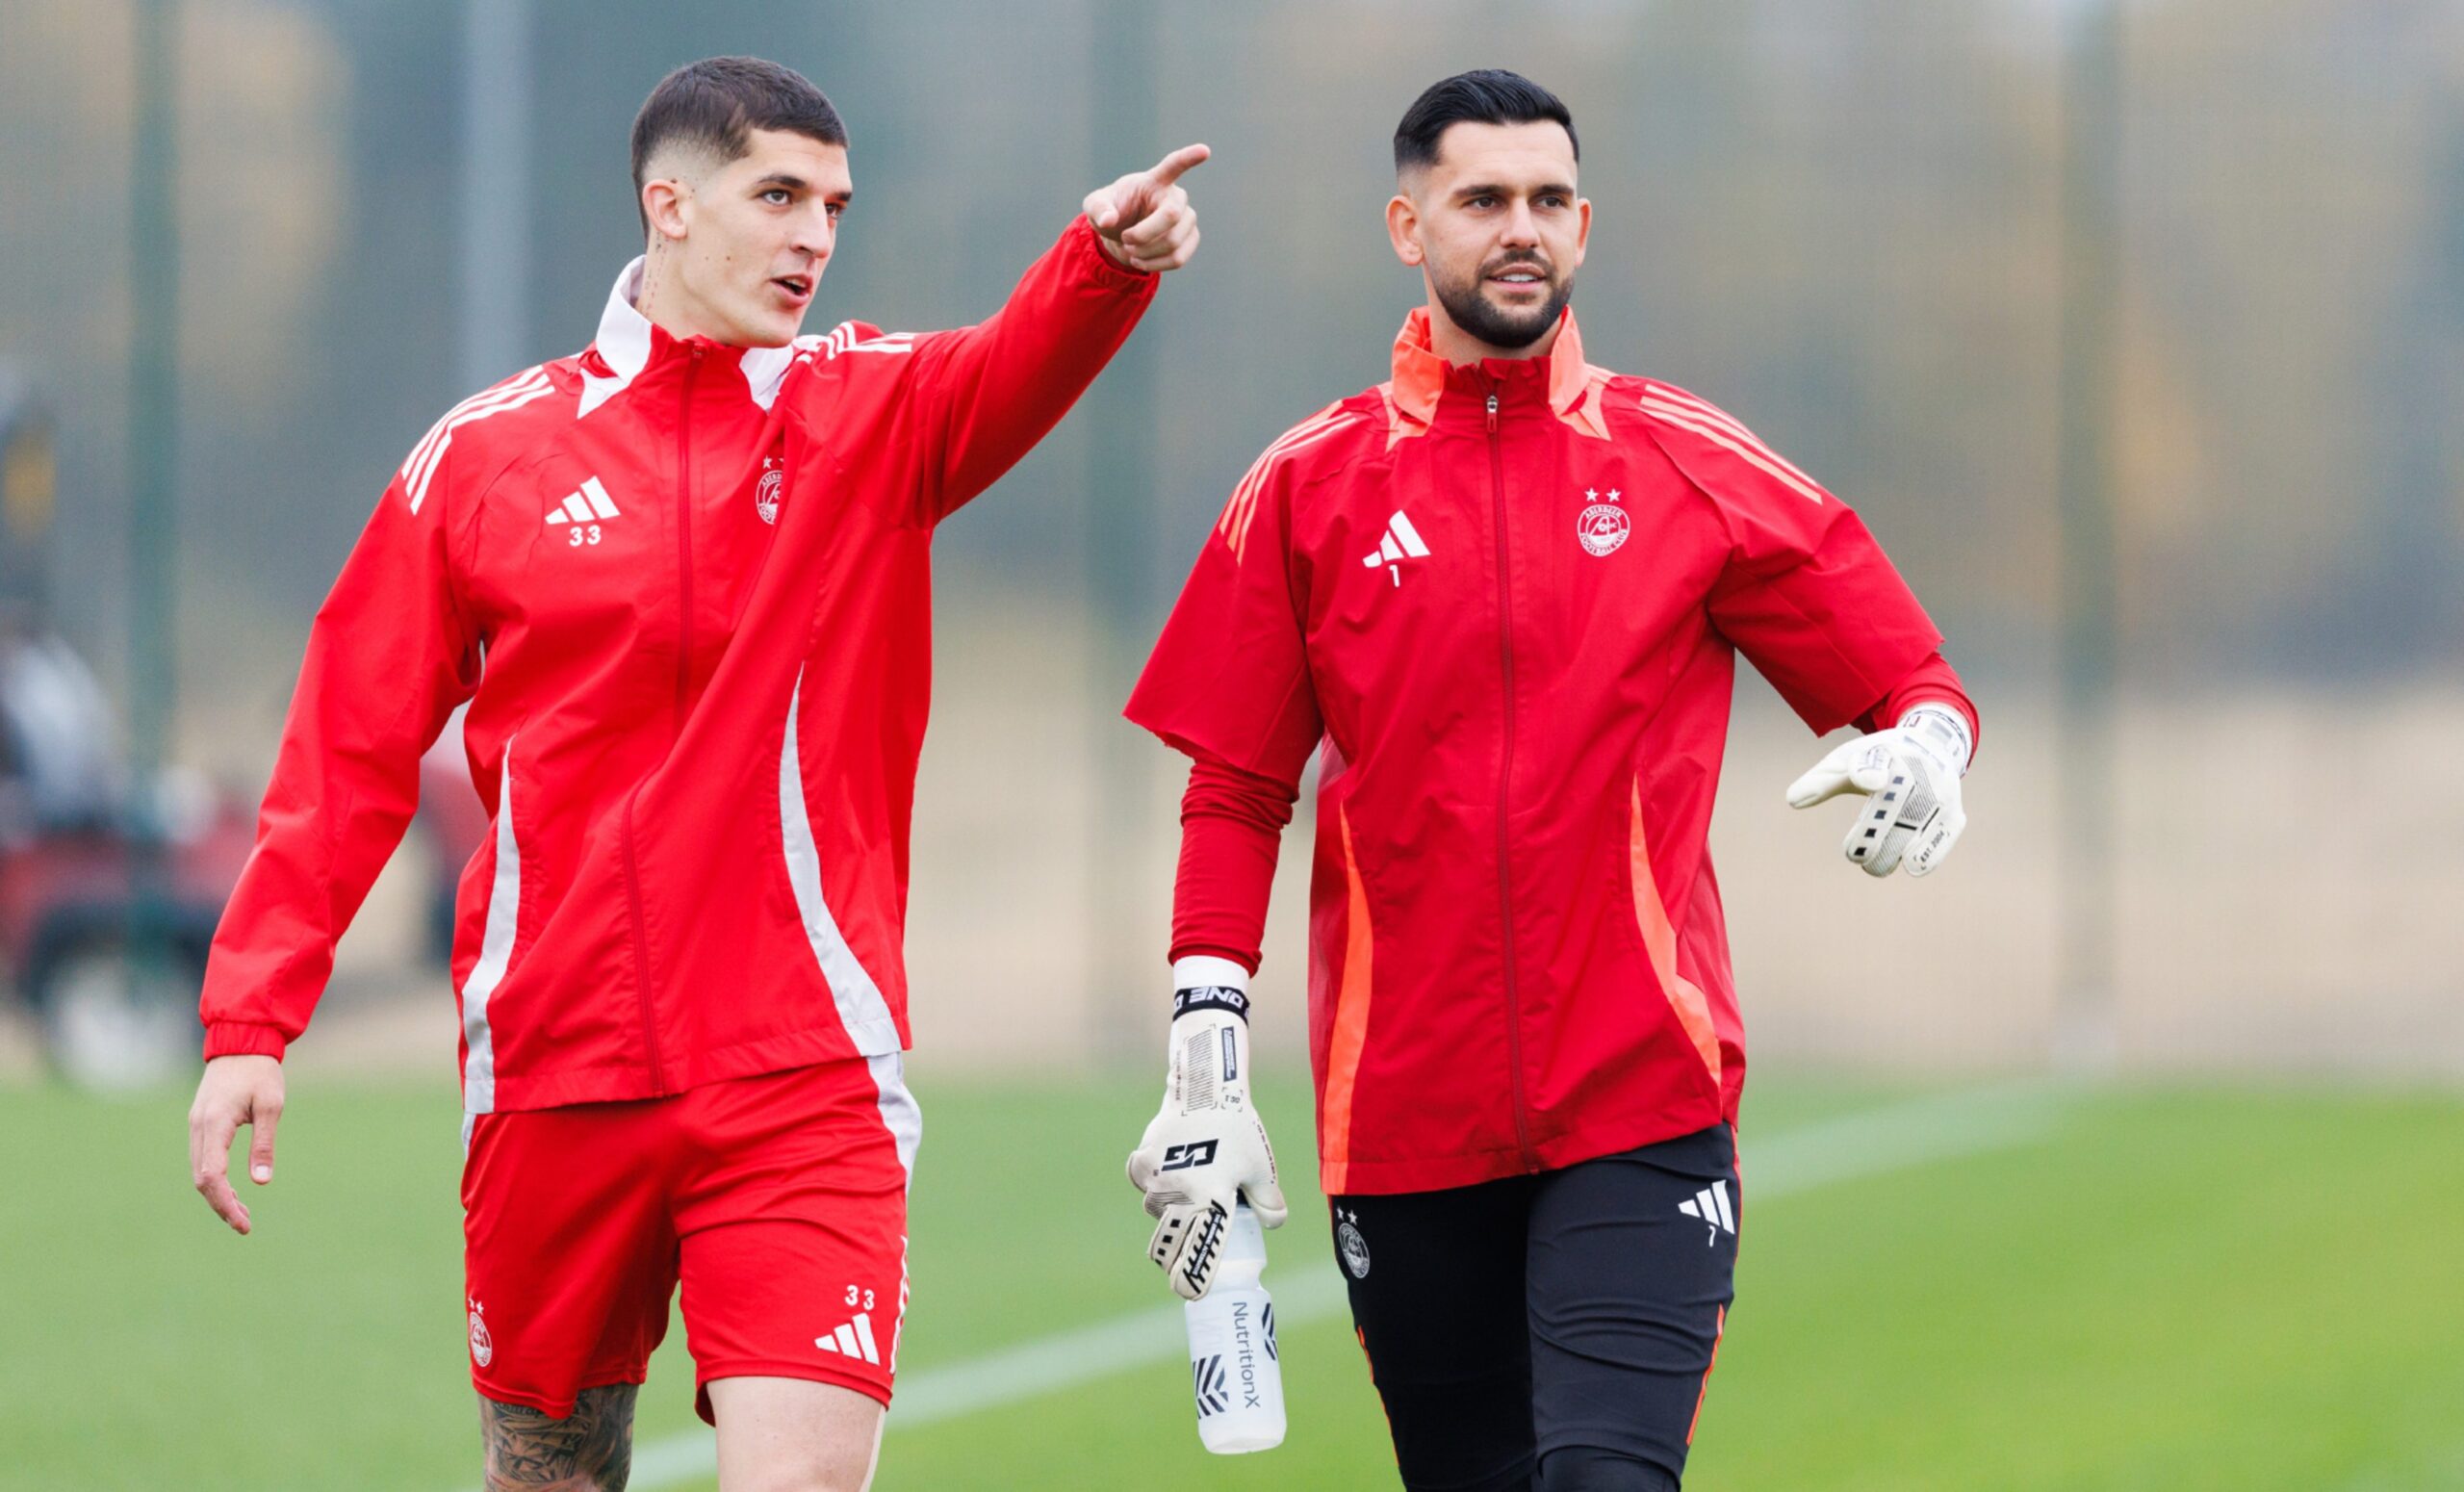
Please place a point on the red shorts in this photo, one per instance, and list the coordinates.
(779, 1203)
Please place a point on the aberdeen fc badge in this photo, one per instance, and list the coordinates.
(765, 492)
(483, 1351)
(1604, 526)
(1349, 1243)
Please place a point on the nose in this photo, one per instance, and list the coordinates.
(814, 233)
(1522, 230)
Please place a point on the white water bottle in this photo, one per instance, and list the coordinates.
(1234, 1367)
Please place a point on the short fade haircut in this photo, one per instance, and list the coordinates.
(717, 103)
(1489, 95)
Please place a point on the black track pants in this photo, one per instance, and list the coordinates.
(1551, 1332)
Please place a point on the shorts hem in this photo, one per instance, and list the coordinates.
(550, 1405)
(704, 1375)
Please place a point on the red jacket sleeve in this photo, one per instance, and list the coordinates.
(1231, 827)
(1933, 681)
(1805, 593)
(390, 656)
(1229, 677)
(978, 399)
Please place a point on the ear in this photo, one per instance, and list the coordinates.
(1403, 229)
(668, 204)
(1582, 227)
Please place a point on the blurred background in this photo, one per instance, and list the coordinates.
(2135, 329)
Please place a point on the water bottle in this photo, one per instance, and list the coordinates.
(1233, 1364)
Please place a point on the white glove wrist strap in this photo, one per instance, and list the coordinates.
(1943, 732)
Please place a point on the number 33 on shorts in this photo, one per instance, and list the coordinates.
(863, 1299)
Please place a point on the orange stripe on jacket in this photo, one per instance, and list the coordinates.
(1234, 523)
(1351, 1027)
(1659, 944)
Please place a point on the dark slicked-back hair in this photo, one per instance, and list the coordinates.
(1491, 96)
(718, 102)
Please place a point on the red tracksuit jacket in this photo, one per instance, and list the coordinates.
(686, 590)
(1509, 599)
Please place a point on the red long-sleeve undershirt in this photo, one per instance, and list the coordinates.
(1232, 823)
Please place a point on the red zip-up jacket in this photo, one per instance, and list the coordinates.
(1504, 604)
(686, 591)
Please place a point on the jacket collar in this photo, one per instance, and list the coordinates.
(1574, 387)
(628, 340)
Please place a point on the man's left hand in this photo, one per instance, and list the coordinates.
(1145, 219)
(1909, 776)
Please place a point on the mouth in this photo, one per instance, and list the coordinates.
(797, 288)
(1520, 278)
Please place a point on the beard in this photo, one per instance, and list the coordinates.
(1483, 318)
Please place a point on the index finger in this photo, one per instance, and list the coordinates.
(1168, 170)
(211, 1169)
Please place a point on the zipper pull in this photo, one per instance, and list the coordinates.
(1493, 412)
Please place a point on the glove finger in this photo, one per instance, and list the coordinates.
(1142, 1168)
(1170, 1235)
(1874, 772)
(1819, 786)
(1827, 779)
(1195, 1249)
(1872, 837)
(1933, 846)
(1886, 860)
(1265, 1199)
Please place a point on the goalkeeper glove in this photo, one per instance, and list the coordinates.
(1207, 1149)
(1909, 776)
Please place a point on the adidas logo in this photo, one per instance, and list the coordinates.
(590, 504)
(1401, 542)
(854, 1339)
(1711, 1205)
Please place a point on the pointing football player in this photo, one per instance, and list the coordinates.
(681, 578)
(1500, 597)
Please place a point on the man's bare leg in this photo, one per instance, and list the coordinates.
(793, 1435)
(590, 1449)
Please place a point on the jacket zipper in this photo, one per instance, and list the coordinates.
(683, 683)
(1505, 780)
(685, 539)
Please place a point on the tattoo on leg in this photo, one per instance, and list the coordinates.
(590, 1449)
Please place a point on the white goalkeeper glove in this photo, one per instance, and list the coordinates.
(1207, 1149)
(1909, 776)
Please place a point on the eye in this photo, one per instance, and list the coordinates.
(778, 196)
(836, 210)
(1484, 201)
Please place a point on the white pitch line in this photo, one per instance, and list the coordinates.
(1875, 1142)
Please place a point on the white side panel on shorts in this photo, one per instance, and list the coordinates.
(860, 1006)
(496, 955)
(900, 1114)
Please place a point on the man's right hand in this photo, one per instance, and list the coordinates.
(235, 1090)
(1206, 1150)
(1145, 219)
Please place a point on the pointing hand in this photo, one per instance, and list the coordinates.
(1145, 219)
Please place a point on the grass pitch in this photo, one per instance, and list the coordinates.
(2165, 1289)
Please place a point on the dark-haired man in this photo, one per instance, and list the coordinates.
(1500, 597)
(683, 580)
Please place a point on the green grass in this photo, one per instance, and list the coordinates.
(2233, 1289)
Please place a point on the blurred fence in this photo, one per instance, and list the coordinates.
(1844, 222)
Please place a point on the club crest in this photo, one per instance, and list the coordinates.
(483, 1350)
(765, 492)
(1349, 1243)
(1603, 526)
